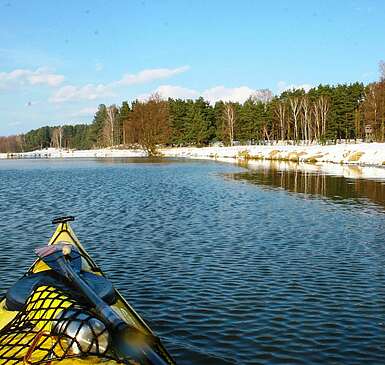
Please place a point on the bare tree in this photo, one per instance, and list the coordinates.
(382, 70)
(280, 111)
(373, 109)
(324, 105)
(20, 142)
(109, 127)
(229, 118)
(264, 95)
(57, 137)
(381, 101)
(11, 144)
(295, 106)
(149, 123)
(266, 132)
(306, 116)
(317, 119)
(371, 97)
(61, 133)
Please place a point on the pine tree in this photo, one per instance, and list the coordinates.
(96, 134)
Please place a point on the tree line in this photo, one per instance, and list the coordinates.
(324, 114)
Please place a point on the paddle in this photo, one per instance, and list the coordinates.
(130, 342)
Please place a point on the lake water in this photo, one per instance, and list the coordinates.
(229, 265)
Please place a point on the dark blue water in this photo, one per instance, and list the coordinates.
(227, 265)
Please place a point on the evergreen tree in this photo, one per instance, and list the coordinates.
(124, 117)
(178, 121)
(96, 133)
(200, 127)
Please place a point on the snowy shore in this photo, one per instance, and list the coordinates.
(354, 161)
(355, 154)
(372, 154)
(337, 158)
(64, 153)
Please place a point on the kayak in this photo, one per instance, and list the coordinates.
(65, 310)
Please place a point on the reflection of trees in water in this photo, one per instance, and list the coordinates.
(294, 179)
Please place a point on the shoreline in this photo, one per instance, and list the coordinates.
(361, 154)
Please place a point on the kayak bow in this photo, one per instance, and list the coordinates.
(64, 310)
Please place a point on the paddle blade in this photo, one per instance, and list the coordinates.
(53, 256)
(132, 343)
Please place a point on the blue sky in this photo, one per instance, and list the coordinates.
(60, 59)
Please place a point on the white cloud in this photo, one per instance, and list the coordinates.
(147, 76)
(40, 76)
(85, 112)
(236, 94)
(283, 86)
(86, 92)
(93, 91)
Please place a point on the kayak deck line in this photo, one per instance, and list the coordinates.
(44, 315)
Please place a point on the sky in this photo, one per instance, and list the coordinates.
(60, 59)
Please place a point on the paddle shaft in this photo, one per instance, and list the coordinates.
(105, 311)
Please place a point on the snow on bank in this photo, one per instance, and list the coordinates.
(362, 154)
(352, 154)
(63, 153)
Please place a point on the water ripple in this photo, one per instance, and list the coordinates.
(224, 272)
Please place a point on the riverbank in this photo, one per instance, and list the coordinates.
(364, 154)
(66, 153)
(372, 154)
(317, 169)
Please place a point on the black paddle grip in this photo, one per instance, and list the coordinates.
(66, 219)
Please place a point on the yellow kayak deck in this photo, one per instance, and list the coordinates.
(64, 233)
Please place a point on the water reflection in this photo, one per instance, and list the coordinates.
(136, 160)
(336, 182)
(149, 161)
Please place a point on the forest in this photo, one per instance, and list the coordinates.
(324, 114)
